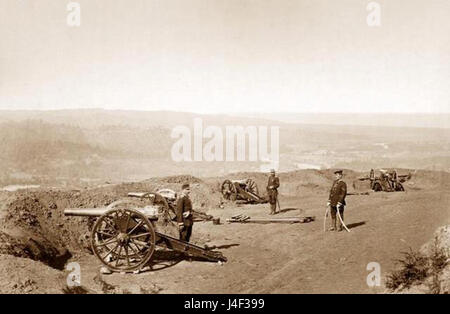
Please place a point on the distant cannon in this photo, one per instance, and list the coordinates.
(124, 238)
(245, 190)
(387, 180)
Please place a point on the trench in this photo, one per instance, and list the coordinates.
(34, 249)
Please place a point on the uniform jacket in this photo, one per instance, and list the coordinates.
(184, 204)
(338, 192)
(273, 183)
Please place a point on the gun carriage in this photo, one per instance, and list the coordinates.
(124, 236)
(387, 180)
(245, 190)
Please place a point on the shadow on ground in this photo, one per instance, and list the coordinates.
(356, 224)
(285, 210)
(163, 259)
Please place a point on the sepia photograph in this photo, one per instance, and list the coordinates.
(209, 148)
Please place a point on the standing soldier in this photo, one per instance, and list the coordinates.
(337, 200)
(372, 178)
(184, 213)
(272, 186)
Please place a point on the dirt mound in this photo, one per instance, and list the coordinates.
(441, 241)
(35, 248)
(303, 181)
(427, 270)
(22, 276)
(203, 195)
(424, 179)
(180, 179)
(34, 225)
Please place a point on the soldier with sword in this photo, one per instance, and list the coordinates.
(336, 202)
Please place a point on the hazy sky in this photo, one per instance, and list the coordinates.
(214, 56)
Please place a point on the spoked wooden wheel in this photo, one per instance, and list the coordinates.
(229, 190)
(252, 186)
(160, 201)
(123, 239)
(377, 187)
(399, 187)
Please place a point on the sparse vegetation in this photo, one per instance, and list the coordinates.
(75, 290)
(416, 268)
(438, 261)
(413, 269)
(105, 287)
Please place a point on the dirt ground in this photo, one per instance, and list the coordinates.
(262, 258)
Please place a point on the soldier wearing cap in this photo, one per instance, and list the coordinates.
(184, 213)
(336, 201)
(272, 191)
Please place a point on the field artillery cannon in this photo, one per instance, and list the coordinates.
(246, 190)
(124, 236)
(387, 180)
(168, 202)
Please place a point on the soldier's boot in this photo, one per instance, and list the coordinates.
(333, 224)
(273, 207)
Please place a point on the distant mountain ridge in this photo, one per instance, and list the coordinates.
(414, 120)
(93, 118)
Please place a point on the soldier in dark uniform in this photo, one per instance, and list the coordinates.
(372, 178)
(336, 201)
(272, 191)
(184, 213)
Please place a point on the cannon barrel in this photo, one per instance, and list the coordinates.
(92, 212)
(150, 212)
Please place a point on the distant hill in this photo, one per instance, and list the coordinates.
(413, 120)
(101, 145)
(34, 150)
(94, 118)
(28, 140)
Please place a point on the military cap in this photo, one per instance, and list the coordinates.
(185, 186)
(338, 171)
(272, 170)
